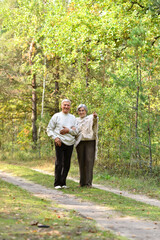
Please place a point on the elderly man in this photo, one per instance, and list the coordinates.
(62, 129)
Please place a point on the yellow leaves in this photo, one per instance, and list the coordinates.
(48, 57)
(24, 133)
(70, 9)
(47, 219)
(56, 232)
(89, 218)
(23, 137)
(96, 9)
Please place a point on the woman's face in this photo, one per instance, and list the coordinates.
(82, 112)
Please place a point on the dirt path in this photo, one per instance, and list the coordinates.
(129, 227)
(137, 197)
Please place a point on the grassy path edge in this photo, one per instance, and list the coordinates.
(132, 226)
(137, 197)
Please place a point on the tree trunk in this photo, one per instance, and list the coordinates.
(34, 96)
(149, 136)
(136, 121)
(12, 135)
(104, 72)
(57, 77)
(87, 71)
(2, 130)
(44, 85)
(34, 111)
(43, 95)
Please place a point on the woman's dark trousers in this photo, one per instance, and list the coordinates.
(86, 158)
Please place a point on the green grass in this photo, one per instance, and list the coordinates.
(124, 206)
(147, 185)
(137, 185)
(20, 213)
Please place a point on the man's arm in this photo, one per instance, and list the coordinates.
(75, 130)
(64, 131)
(51, 126)
(50, 131)
(72, 131)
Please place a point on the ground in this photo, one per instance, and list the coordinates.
(106, 218)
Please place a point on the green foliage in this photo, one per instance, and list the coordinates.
(101, 53)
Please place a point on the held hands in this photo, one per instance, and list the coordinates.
(58, 142)
(64, 130)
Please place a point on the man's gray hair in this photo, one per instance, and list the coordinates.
(82, 105)
(66, 100)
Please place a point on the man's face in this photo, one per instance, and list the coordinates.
(66, 107)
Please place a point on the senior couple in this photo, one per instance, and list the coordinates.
(66, 130)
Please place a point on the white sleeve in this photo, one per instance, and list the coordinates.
(51, 126)
(76, 131)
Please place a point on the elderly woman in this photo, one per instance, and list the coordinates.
(86, 144)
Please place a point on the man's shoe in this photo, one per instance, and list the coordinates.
(64, 186)
(57, 187)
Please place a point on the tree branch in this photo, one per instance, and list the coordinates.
(135, 2)
(155, 38)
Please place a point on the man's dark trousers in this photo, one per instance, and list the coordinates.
(62, 163)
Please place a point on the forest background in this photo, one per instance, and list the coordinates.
(102, 53)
